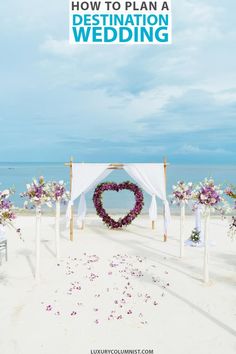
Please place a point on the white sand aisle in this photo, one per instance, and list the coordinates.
(117, 290)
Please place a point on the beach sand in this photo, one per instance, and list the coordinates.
(117, 290)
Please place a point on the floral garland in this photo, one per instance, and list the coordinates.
(182, 192)
(7, 214)
(38, 193)
(111, 186)
(58, 191)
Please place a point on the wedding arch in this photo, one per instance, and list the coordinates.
(85, 176)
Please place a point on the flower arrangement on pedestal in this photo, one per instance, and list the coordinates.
(59, 195)
(182, 192)
(112, 186)
(38, 193)
(7, 213)
(58, 191)
(209, 196)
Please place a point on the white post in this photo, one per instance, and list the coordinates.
(37, 241)
(206, 246)
(182, 219)
(57, 229)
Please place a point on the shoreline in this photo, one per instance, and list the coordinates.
(114, 212)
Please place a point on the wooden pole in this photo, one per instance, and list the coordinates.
(71, 217)
(165, 174)
(153, 224)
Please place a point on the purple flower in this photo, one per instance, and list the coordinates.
(7, 213)
(182, 192)
(208, 193)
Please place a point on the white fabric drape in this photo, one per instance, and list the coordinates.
(151, 178)
(84, 176)
(198, 226)
(82, 209)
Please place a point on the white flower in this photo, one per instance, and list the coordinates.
(6, 193)
(35, 182)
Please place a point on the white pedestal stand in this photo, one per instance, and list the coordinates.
(206, 246)
(57, 229)
(37, 242)
(182, 219)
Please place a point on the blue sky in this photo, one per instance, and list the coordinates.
(118, 103)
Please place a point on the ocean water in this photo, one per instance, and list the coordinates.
(18, 174)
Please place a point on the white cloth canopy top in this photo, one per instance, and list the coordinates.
(150, 176)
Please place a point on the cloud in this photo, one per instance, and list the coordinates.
(134, 69)
(193, 111)
(190, 149)
(121, 102)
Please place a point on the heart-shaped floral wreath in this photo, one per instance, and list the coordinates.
(112, 186)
